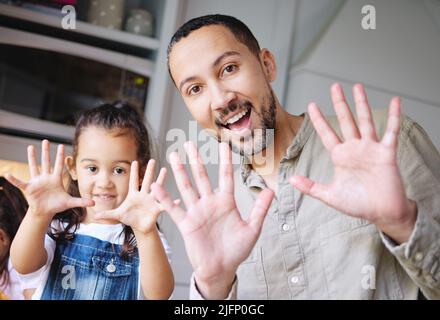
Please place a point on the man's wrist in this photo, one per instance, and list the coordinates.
(215, 289)
(400, 231)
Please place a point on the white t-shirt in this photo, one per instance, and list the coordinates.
(14, 289)
(104, 232)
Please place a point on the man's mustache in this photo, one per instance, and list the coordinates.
(232, 107)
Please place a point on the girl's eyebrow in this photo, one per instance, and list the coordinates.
(117, 161)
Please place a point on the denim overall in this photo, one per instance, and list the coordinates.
(86, 268)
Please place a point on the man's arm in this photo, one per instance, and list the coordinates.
(419, 163)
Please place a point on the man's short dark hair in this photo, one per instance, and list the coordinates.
(238, 29)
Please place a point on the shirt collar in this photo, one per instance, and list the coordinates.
(292, 151)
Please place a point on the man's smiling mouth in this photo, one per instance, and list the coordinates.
(239, 121)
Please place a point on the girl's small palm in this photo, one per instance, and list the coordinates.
(45, 192)
(139, 209)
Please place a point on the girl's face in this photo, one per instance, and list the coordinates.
(102, 167)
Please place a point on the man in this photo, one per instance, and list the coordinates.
(366, 227)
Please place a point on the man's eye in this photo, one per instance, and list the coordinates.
(92, 169)
(194, 90)
(119, 170)
(231, 68)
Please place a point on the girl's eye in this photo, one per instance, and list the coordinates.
(119, 170)
(92, 169)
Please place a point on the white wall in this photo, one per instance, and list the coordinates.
(400, 57)
(272, 24)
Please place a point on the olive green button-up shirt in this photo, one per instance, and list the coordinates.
(308, 250)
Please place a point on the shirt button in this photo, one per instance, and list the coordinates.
(418, 256)
(294, 279)
(285, 227)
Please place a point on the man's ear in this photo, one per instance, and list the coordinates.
(70, 164)
(269, 64)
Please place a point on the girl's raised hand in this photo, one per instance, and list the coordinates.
(45, 192)
(139, 210)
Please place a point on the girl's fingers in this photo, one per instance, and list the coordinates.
(59, 160)
(161, 177)
(176, 202)
(166, 204)
(149, 175)
(16, 182)
(108, 215)
(32, 161)
(45, 157)
(134, 176)
(79, 203)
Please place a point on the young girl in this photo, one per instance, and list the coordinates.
(103, 242)
(13, 207)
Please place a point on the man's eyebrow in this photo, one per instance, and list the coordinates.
(216, 63)
(224, 55)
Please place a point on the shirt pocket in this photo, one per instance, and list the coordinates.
(116, 279)
(73, 279)
(98, 279)
(355, 261)
(252, 283)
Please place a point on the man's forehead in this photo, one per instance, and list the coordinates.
(208, 35)
(204, 44)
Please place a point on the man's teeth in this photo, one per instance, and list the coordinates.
(236, 117)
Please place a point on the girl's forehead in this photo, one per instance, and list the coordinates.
(102, 143)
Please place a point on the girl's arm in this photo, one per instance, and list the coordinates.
(140, 211)
(27, 250)
(46, 196)
(156, 276)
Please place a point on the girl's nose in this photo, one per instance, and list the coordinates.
(104, 180)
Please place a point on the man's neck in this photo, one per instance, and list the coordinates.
(267, 163)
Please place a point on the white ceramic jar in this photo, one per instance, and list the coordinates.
(140, 22)
(107, 13)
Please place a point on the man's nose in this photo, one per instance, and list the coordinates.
(220, 97)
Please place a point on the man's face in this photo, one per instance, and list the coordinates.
(226, 87)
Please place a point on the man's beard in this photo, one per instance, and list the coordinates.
(260, 138)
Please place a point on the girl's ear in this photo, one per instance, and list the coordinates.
(4, 239)
(269, 64)
(70, 164)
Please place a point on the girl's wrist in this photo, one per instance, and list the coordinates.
(39, 216)
(144, 234)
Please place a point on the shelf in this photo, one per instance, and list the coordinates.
(81, 27)
(141, 66)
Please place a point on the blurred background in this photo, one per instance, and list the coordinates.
(118, 51)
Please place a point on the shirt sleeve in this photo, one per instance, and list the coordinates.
(194, 293)
(38, 278)
(419, 164)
